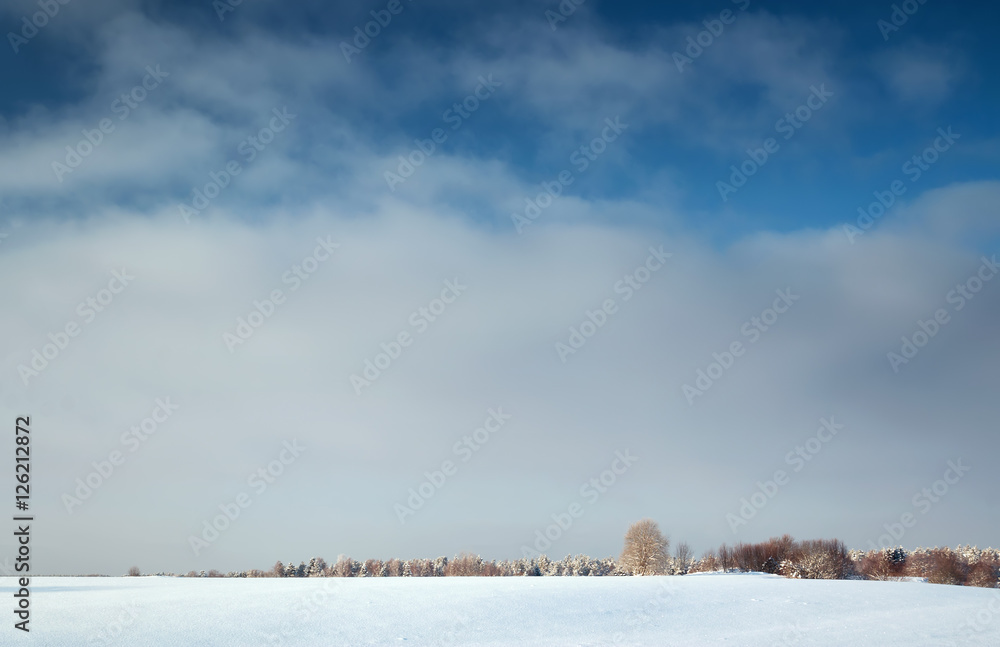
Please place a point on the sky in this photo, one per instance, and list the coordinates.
(410, 278)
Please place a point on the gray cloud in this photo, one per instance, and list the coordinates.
(495, 346)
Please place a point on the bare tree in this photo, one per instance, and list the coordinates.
(134, 571)
(645, 551)
(683, 554)
(394, 568)
(344, 567)
(725, 558)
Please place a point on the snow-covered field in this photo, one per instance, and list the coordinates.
(709, 609)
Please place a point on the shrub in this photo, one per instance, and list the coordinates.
(984, 573)
(818, 560)
(765, 557)
(133, 571)
(707, 564)
(945, 567)
(823, 560)
(883, 564)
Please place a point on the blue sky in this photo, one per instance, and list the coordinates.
(687, 128)
(657, 141)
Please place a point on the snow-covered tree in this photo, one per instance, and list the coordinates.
(316, 568)
(645, 551)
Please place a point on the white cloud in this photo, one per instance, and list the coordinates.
(494, 346)
(920, 75)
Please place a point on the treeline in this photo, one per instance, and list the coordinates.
(464, 565)
(830, 560)
(647, 552)
(814, 559)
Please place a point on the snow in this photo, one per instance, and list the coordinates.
(745, 610)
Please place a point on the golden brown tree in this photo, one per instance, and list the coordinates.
(645, 551)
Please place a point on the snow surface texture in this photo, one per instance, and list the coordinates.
(707, 609)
